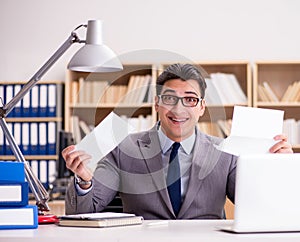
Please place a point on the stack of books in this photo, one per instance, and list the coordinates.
(15, 212)
(267, 94)
(224, 89)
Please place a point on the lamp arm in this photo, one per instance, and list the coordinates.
(5, 110)
(38, 190)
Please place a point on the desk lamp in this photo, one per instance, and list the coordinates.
(94, 56)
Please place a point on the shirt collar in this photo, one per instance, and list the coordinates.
(166, 143)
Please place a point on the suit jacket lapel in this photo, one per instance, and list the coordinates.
(151, 151)
(203, 162)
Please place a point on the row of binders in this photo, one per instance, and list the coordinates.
(15, 212)
(40, 101)
(34, 138)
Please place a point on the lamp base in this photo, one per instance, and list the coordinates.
(47, 219)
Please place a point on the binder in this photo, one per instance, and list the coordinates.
(43, 171)
(42, 144)
(52, 97)
(2, 95)
(19, 218)
(34, 139)
(8, 151)
(51, 171)
(9, 93)
(26, 105)
(43, 100)
(13, 193)
(34, 165)
(18, 107)
(34, 101)
(12, 171)
(17, 133)
(25, 143)
(51, 144)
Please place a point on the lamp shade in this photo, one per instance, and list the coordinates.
(94, 56)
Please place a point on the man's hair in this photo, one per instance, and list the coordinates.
(181, 71)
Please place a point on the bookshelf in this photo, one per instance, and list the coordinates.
(35, 122)
(282, 78)
(92, 96)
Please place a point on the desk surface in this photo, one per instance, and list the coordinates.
(150, 230)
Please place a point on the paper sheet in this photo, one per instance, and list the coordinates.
(253, 130)
(104, 138)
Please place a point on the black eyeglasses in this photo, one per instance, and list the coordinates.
(173, 100)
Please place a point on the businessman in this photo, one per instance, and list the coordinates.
(172, 171)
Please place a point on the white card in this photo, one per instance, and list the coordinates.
(252, 130)
(104, 138)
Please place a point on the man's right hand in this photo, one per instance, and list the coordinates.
(76, 160)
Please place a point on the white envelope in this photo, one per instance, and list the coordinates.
(104, 138)
(252, 130)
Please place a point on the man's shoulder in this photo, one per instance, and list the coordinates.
(144, 136)
(209, 138)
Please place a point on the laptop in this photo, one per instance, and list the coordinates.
(267, 194)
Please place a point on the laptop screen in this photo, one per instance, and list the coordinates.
(267, 194)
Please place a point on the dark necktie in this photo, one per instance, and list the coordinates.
(173, 179)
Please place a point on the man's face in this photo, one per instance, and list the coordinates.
(177, 121)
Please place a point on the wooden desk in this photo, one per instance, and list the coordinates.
(150, 230)
(57, 207)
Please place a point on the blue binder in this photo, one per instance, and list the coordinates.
(18, 108)
(12, 171)
(52, 136)
(26, 110)
(19, 217)
(34, 101)
(43, 100)
(9, 93)
(13, 193)
(7, 149)
(42, 138)
(52, 96)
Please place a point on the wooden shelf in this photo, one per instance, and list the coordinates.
(30, 157)
(279, 75)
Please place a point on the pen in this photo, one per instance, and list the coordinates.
(158, 223)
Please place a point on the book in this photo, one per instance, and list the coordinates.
(270, 93)
(13, 193)
(85, 128)
(100, 220)
(19, 217)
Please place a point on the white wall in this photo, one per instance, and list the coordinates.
(31, 30)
